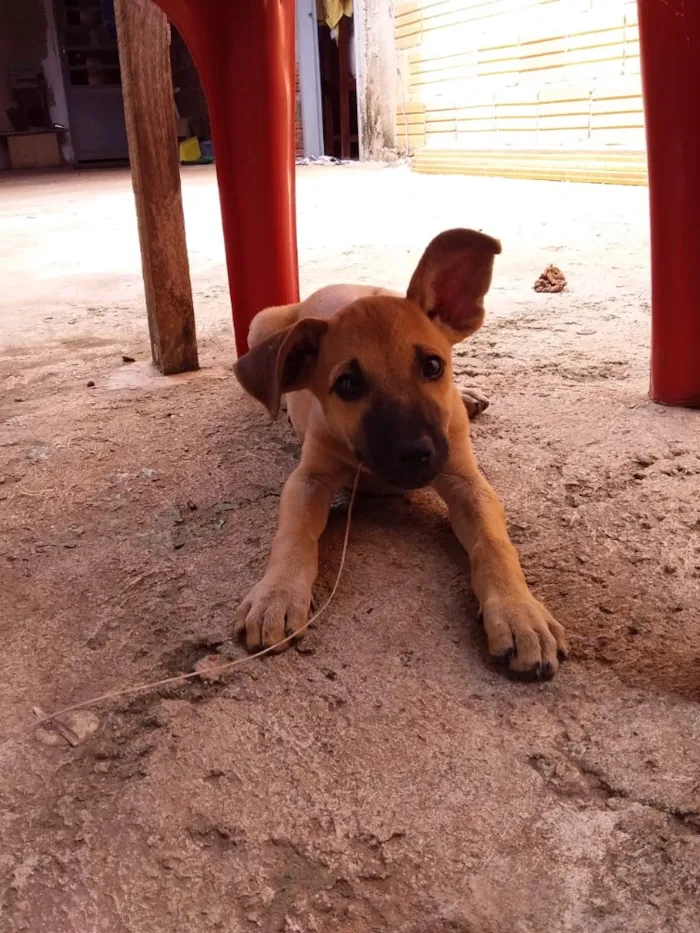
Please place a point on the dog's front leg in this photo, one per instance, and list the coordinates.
(518, 627)
(279, 604)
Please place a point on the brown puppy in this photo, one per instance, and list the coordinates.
(370, 378)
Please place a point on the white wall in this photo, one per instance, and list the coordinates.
(52, 67)
(377, 76)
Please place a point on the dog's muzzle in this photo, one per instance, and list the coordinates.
(403, 446)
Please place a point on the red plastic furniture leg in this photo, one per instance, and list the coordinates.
(244, 53)
(670, 52)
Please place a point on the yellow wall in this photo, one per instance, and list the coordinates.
(519, 74)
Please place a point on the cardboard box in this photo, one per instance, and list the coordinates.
(34, 150)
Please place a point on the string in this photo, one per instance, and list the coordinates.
(217, 669)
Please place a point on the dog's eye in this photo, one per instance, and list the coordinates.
(432, 367)
(349, 387)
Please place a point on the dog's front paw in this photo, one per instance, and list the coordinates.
(475, 401)
(521, 630)
(271, 611)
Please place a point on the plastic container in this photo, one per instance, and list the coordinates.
(190, 150)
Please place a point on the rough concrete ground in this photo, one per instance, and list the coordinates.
(388, 777)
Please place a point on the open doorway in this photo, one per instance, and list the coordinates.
(328, 78)
(87, 34)
(336, 48)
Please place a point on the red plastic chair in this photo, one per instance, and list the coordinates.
(670, 50)
(244, 52)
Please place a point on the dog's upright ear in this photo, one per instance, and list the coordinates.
(283, 363)
(452, 278)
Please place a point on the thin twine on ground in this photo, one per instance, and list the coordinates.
(219, 668)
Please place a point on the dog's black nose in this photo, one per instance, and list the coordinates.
(405, 446)
(416, 454)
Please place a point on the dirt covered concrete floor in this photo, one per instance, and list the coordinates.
(387, 778)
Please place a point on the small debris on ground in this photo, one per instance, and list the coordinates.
(322, 160)
(74, 727)
(551, 280)
(207, 666)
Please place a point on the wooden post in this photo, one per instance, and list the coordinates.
(144, 56)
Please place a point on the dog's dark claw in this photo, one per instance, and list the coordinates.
(505, 657)
(535, 673)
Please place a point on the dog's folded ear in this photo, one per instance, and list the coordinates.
(452, 278)
(283, 363)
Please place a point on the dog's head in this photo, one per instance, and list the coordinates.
(381, 367)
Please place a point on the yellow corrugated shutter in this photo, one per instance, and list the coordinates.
(543, 77)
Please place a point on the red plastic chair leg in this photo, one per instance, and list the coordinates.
(670, 50)
(244, 52)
